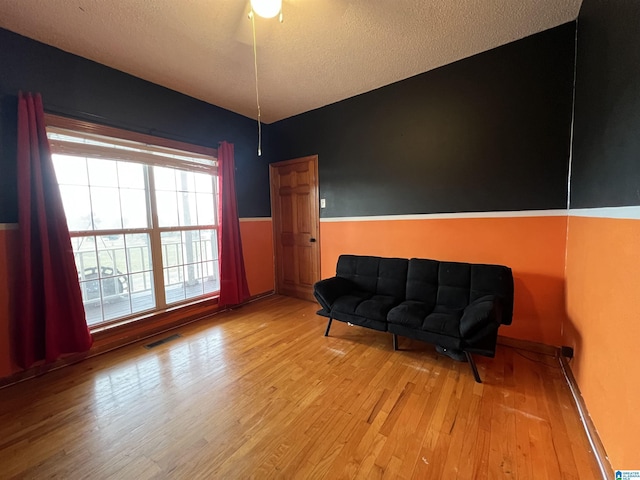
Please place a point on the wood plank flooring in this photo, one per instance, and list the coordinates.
(261, 393)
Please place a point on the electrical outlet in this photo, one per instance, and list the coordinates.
(323, 203)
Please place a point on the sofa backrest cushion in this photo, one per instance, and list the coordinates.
(454, 285)
(454, 280)
(382, 276)
(392, 277)
(422, 281)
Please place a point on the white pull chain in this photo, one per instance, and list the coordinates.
(255, 64)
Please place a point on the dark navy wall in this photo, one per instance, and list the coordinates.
(490, 132)
(605, 168)
(80, 88)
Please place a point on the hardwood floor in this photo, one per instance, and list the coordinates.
(261, 393)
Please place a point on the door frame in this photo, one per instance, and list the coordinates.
(276, 221)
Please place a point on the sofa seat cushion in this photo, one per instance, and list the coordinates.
(410, 314)
(349, 302)
(364, 304)
(443, 321)
(377, 307)
(423, 316)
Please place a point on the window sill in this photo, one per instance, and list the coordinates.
(114, 335)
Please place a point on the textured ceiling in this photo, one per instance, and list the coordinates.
(325, 51)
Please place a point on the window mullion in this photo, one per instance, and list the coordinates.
(156, 244)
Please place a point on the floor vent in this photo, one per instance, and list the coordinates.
(157, 343)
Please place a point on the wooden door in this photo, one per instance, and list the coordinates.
(296, 225)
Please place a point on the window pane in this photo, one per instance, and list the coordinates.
(139, 252)
(142, 294)
(84, 252)
(211, 278)
(77, 207)
(107, 291)
(114, 283)
(115, 303)
(134, 208)
(209, 245)
(70, 170)
(131, 175)
(210, 267)
(111, 255)
(193, 280)
(105, 203)
(173, 284)
(177, 201)
(190, 259)
(187, 209)
(102, 173)
(206, 214)
(186, 181)
(92, 302)
(165, 178)
(204, 183)
(173, 276)
(167, 205)
(104, 288)
(171, 249)
(191, 246)
(140, 283)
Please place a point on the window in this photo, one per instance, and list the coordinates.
(142, 218)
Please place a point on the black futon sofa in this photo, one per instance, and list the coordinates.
(456, 306)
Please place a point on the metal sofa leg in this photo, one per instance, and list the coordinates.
(395, 341)
(473, 367)
(326, 332)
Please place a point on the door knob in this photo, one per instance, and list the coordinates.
(312, 240)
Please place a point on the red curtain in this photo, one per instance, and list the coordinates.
(51, 319)
(233, 279)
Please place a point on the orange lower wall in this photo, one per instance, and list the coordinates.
(257, 246)
(534, 247)
(603, 305)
